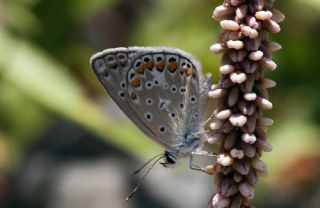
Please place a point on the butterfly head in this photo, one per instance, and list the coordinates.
(169, 159)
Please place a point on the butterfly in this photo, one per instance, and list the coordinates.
(162, 91)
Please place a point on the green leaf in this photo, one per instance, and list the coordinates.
(48, 83)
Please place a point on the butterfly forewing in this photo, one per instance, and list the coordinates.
(111, 72)
(160, 89)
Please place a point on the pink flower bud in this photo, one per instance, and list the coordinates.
(229, 25)
(238, 120)
(224, 160)
(246, 190)
(263, 15)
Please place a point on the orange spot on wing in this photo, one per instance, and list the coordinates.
(160, 66)
(188, 71)
(135, 82)
(172, 66)
(140, 69)
(133, 96)
(149, 65)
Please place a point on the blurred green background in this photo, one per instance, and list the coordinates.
(46, 83)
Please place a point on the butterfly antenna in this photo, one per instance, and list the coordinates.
(145, 175)
(145, 164)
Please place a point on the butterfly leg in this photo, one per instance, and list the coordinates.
(204, 153)
(195, 167)
(201, 153)
(209, 119)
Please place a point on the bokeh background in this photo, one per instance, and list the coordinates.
(64, 143)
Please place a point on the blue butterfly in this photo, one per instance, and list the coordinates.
(162, 91)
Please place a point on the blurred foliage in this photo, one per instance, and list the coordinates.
(45, 73)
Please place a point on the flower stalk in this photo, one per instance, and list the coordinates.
(240, 127)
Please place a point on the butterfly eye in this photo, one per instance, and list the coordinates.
(169, 159)
(173, 115)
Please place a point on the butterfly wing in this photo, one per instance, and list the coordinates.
(110, 67)
(160, 89)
